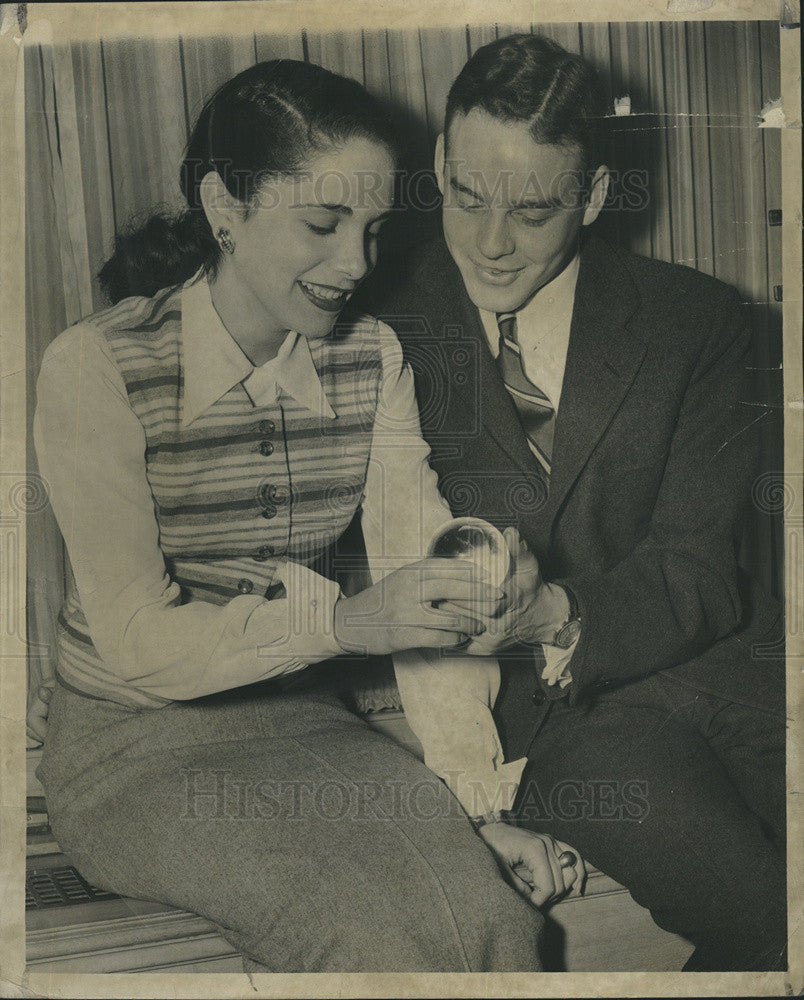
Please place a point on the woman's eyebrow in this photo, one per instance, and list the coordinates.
(340, 209)
(343, 210)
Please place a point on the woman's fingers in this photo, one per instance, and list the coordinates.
(521, 882)
(478, 609)
(564, 878)
(576, 875)
(439, 568)
(555, 868)
(483, 611)
(467, 590)
(536, 861)
(456, 621)
(430, 638)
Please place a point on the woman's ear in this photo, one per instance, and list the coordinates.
(218, 203)
(438, 162)
(597, 195)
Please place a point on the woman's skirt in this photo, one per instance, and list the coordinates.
(314, 843)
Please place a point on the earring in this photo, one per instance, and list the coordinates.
(224, 238)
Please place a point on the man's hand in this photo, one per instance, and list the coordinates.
(531, 612)
(531, 861)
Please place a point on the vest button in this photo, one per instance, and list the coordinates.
(266, 448)
(539, 698)
(269, 512)
(245, 586)
(263, 552)
(267, 426)
(267, 493)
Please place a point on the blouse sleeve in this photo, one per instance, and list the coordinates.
(447, 698)
(91, 446)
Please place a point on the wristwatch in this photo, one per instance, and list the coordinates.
(495, 816)
(571, 629)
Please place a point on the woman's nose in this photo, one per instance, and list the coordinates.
(352, 258)
(495, 238)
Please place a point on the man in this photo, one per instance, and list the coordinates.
(596, 402)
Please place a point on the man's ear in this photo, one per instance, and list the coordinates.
(438, 162)
(597, 195)
(218, 204)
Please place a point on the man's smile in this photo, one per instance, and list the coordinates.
(497, 275)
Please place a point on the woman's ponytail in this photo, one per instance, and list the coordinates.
(166, 250)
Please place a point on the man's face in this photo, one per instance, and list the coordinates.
(513, 208)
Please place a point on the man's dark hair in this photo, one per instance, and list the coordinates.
(529, 78)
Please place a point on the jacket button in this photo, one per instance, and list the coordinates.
(263, 552)
(266, 448)
(267, 426)
(539, 698)
(245, 586)
(267, 494)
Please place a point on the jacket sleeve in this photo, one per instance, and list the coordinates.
(676, 593)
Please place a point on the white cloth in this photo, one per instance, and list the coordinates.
(90, 446)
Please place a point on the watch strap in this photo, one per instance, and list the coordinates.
(569, 630)
(574, 610)
(495, 816)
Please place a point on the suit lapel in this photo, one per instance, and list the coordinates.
(482, 395)
(603, 358)
(497, 412)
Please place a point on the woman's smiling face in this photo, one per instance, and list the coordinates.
(310, 238)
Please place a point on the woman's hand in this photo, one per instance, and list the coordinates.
(531, 859)
(38, 711)
(399, 611)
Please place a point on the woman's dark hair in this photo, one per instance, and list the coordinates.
(266, 121)
(529, 78)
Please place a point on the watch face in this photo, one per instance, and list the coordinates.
(567, 634)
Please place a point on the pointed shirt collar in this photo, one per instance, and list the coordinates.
(543, 330)
(214, 363)
(550, 308)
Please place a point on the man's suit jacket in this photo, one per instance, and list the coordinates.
(653, 460)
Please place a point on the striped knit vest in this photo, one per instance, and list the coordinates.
(242, 488)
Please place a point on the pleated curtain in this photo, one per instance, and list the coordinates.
(107, 121)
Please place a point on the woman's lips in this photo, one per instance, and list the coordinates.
(325, 296)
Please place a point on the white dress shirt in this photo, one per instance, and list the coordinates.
(543, 331)
(90, 446)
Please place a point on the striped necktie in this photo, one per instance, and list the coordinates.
(536, 413)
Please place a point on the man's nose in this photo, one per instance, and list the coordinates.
(495, 237)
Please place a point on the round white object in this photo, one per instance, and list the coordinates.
(475, 540)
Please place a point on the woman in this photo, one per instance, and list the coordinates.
(206, 440)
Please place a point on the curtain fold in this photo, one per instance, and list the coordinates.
(107, 122)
